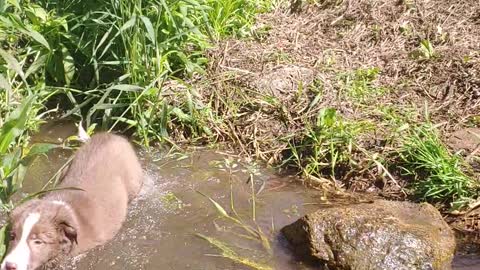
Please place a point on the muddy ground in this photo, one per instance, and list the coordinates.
(417, 59)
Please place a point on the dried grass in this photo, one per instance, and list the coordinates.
(327, 39)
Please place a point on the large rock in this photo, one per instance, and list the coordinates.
(381, 235)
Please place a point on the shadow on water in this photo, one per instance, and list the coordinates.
(160, 232)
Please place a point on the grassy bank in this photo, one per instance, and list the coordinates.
(365, 96)
(106, 62)
(362, 96)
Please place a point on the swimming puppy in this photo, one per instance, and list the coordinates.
(106, 175)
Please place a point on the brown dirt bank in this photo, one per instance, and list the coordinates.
(361, 58)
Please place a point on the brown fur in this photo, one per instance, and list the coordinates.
(108, 172)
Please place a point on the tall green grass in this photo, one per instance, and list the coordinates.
(108, 61)
(234, 18)
(16, 153)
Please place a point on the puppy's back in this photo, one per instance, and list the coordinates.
(108, 156)
(109, 174)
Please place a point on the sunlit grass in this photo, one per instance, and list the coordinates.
(438, 175)
(110, 59)
(327, 145)
(228, 253)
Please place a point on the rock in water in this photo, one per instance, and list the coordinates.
(381, 235)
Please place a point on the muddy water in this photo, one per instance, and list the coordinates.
(160, 232)
(161, 229)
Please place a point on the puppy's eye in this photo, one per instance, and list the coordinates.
(13, 236)
(38, 242)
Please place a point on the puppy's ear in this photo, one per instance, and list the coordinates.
(69, 232)
(67, 226)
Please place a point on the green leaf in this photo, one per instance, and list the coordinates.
(125, 87)
(110, 106)
(219, 208)
(3, 241)
(127, 121)
(15, 124)
(129, 24)
(3, 7)
(327, 117)
(68, 66)
(37, 37)
(427, 48)
(10, 162)
(183, 117)
(18, 176)
(12, 63)
(36, 14)
(103, 39)
(149, 26)
(39, 63)
(55, 67)
(15, 21)
(5, 84)
(15, 3)
(61, 66)
(41, 148)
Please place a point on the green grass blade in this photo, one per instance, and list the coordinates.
(149, 27)
(13, 64)
(229, 253)
(219, 208)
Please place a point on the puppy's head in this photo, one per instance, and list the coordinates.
(41, 231)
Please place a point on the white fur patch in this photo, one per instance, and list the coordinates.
(20, 255)
(82, 134)
(59, 202)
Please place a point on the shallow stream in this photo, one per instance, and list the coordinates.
(160, 232)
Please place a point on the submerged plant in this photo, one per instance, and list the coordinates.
(229, 253)
(253, 233)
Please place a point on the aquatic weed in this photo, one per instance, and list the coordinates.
(229, 253)
(253, 232)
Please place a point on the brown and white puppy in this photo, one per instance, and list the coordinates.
(70, 221)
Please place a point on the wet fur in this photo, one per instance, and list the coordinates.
(106, 175)
(108, 171)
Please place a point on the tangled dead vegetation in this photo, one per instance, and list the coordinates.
(425, 52)
(333, 88)
(372, 96)
(339, 36)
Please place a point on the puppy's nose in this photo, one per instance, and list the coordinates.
(10, 266)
